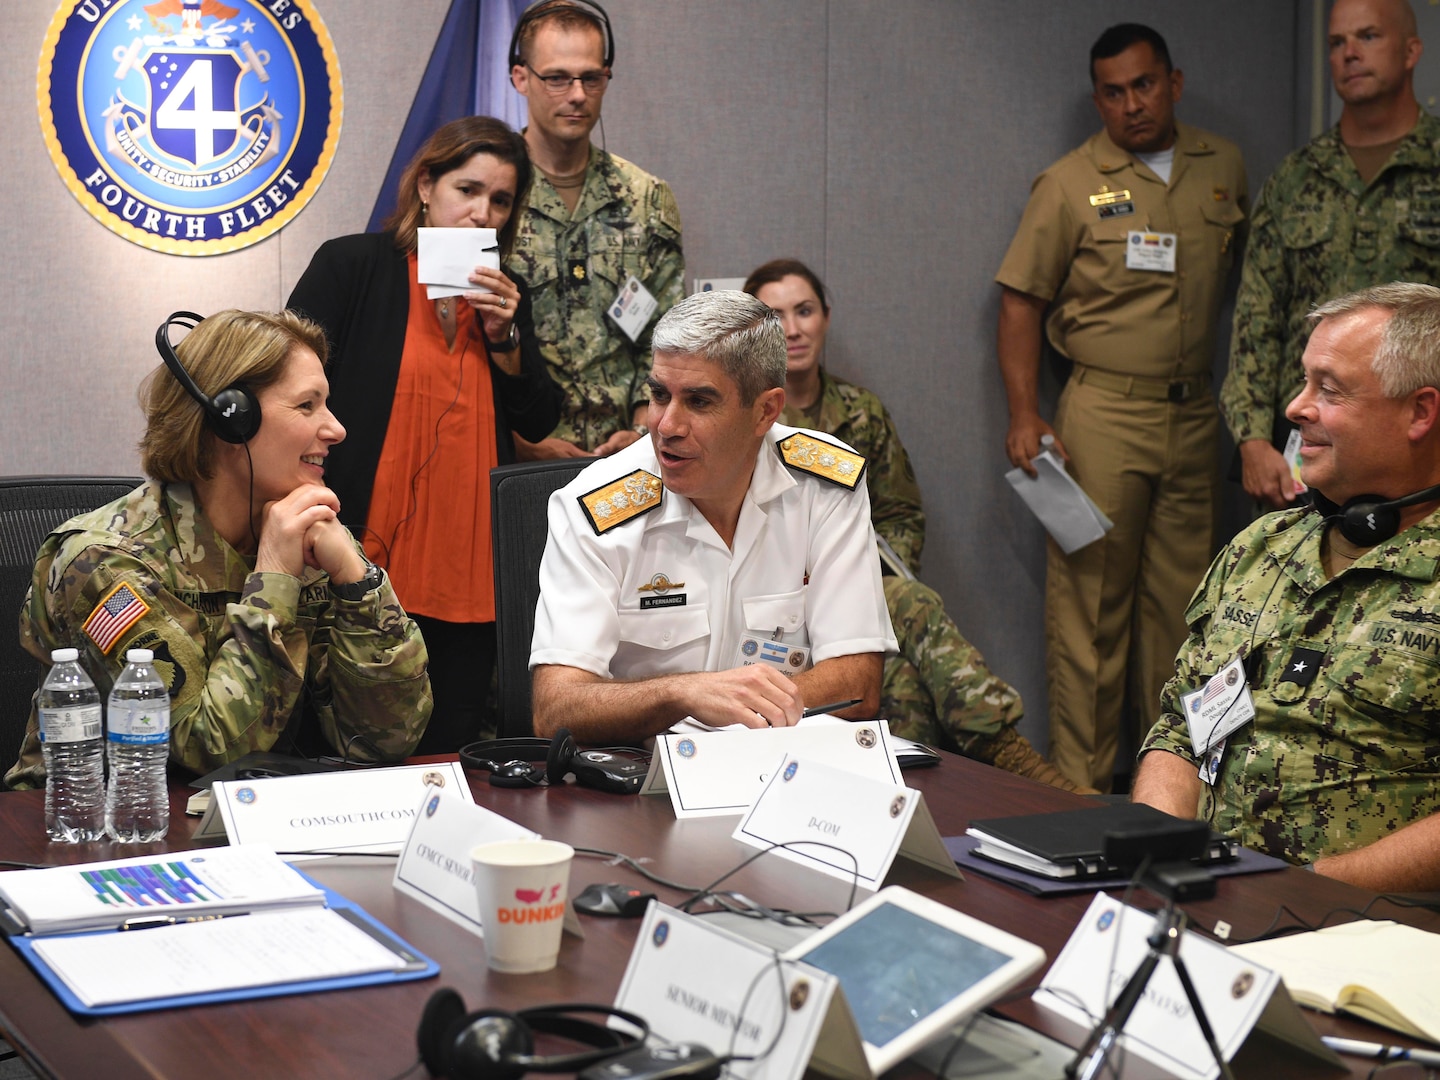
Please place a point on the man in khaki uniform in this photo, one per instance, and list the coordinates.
(1127, 242)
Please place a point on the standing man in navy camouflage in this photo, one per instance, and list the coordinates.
(599, 238)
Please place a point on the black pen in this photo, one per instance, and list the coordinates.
(150, 922)
(832, 707)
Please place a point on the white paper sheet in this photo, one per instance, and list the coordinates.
(1067, 513)
(212, 957)
(445, 258)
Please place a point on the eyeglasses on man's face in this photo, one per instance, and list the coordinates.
(593, 82)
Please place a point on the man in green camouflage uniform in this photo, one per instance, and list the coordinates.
(245, 654)
(592, 220)
(1358, 205)
(937, 688)
(1339, 628)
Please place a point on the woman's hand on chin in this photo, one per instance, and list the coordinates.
(285, 547)
(328, 547)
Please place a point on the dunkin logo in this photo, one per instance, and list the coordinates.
(535, 912)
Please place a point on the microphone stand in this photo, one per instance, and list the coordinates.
(1164, 940)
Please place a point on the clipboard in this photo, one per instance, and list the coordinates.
(418, 966)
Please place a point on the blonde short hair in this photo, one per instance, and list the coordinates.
(246, 348)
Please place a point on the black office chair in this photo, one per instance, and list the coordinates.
(31, 506)
(518, 497)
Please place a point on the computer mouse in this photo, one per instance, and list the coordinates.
(618, 901)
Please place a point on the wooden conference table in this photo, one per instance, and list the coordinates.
(370, 1032)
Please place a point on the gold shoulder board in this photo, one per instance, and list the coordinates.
(822, 459)
(620, 500)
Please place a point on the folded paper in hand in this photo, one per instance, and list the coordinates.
(1067, 513)
(445, 258)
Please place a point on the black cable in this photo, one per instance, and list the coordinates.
(777, 965)
(1302, 926)
(419, 1061)
(250, 500)
(635, 864)
(702, 894)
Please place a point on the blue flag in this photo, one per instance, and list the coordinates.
(468, 75)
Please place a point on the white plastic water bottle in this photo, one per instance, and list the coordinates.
(137, 805)
(72, 740)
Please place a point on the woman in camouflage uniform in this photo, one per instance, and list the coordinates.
(937, 688)
(267, 623)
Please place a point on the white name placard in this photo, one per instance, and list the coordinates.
(360, 810)
(695, 982)
(1109, 944)
(711, 773)
(851, 827)
(434, 866)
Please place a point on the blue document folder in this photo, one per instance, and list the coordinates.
(417, 966)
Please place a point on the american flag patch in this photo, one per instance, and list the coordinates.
(114, 615)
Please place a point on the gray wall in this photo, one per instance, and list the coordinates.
(891, 145)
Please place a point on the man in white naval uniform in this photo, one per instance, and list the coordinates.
(724, 568)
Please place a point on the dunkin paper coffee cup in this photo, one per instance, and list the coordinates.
(523, 886)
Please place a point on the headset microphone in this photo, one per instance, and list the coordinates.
(234, 413)
(1368, 520)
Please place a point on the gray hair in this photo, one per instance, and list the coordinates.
(729, 328)
(1409, 353)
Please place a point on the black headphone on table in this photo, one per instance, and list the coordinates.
(585, 8)
(1369, 519)
(234, 413)
(515, 763)
(495, 1045)
(511, 762)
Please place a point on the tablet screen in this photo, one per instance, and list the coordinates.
(897, 968)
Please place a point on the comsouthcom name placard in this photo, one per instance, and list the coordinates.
(192, 127)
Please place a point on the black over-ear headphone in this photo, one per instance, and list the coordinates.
(509, 761)
(494, 1045)
(1369, 519)
(587, 8)
(234, 413)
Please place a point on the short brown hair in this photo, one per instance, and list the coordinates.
(251, 348)
(777, 270)
(448, 149)
(562, 16)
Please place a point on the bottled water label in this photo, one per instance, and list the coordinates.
(139, 723)
(71, 725)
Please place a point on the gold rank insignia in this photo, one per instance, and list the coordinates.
(1221, 194)
(822, 459)
(620, 500)
(1106, 197)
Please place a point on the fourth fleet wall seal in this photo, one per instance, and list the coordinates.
(192, 127)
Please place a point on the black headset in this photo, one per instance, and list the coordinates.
(586, 8)
(495, 1045)
(234, 413)
(511, 762)
(1369, 519)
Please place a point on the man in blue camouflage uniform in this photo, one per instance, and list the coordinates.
(1356, 206)
(592, 222)
(1334, 617)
